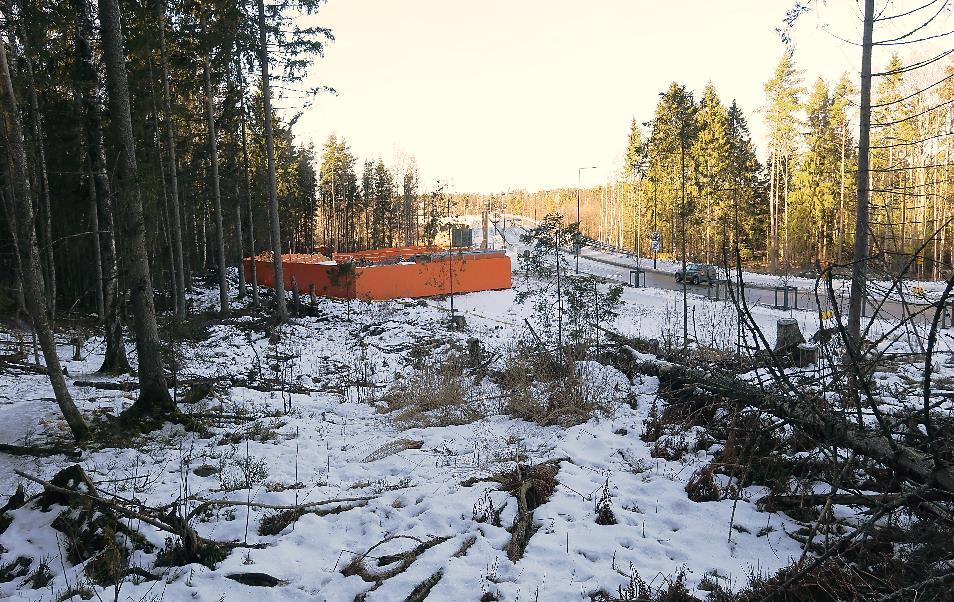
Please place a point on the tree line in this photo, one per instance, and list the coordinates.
(379, 207)
(692, 174)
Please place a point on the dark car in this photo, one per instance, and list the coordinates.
(697, 273)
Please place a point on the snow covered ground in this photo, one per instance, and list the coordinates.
(374, 479)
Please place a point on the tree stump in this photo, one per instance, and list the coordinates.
(788, 336)
(475, 352)
(806, 354)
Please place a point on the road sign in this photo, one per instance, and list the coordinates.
(655, 242)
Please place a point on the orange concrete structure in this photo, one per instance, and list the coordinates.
(392, 273)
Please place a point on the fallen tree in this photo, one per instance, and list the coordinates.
(802, 411)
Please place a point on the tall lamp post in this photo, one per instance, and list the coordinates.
(579, 178)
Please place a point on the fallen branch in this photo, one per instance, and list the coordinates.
(215, 502)
(105, 385)
(828, 427)
(98, 500)
(38, 451)
(403, 559)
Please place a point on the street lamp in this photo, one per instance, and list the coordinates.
(579, 177)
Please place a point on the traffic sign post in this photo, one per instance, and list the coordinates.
(655, 242)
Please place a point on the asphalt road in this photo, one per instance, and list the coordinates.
(755, 294)
(760, 294)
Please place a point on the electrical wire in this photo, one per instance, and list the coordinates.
(913, 94)
(916, 29)
(909, 143)
(910, 117)
(914, 66)
(905, 14)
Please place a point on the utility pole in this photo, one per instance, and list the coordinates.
(859, 266)
(450, 257)
(682, 214)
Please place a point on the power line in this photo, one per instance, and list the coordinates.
(911, 142)
(915, 66)
(905, 14)
(925, 39)
(913, 94)
(910, 117)
(915, 30)
(890, 169)
(913, 186)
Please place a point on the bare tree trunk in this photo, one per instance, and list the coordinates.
(841, 207)
(175, 225)
(31, 276)
(248, 191)
(281, 309)
(97, 257)
(856, 299)
(216, 193)
(115, 360)
(682, 221)
(154, 398)
(39, 134)
(773, 202)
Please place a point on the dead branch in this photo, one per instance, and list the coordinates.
(800, 411)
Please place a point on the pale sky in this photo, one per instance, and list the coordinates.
(506, 94)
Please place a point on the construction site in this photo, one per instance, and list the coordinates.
(390, 273)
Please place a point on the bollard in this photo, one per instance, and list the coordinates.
(806, 354)
(715, 290)
(311, 295)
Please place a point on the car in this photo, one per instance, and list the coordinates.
(697, 273)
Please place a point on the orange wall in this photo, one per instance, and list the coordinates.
(471, 273)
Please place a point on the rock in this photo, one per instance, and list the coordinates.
(255, 579)
(206, 470)
(197, 392)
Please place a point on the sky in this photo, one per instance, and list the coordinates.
(518, 94)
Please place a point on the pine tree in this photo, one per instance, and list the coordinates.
(115, 360)
(175, 217)
(672, 164)
(749, 194)
(154, 396)
(891, 159)
(711, 153)
(635, 167)
(781, 119)
(216, 184)
(814, 195)
(841, 103)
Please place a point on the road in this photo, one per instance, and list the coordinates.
(621, 265)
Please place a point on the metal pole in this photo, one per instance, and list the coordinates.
(579, 175)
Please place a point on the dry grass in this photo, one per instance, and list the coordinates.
(538, 390)
(437, 394)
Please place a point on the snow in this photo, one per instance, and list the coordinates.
(334, 437)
